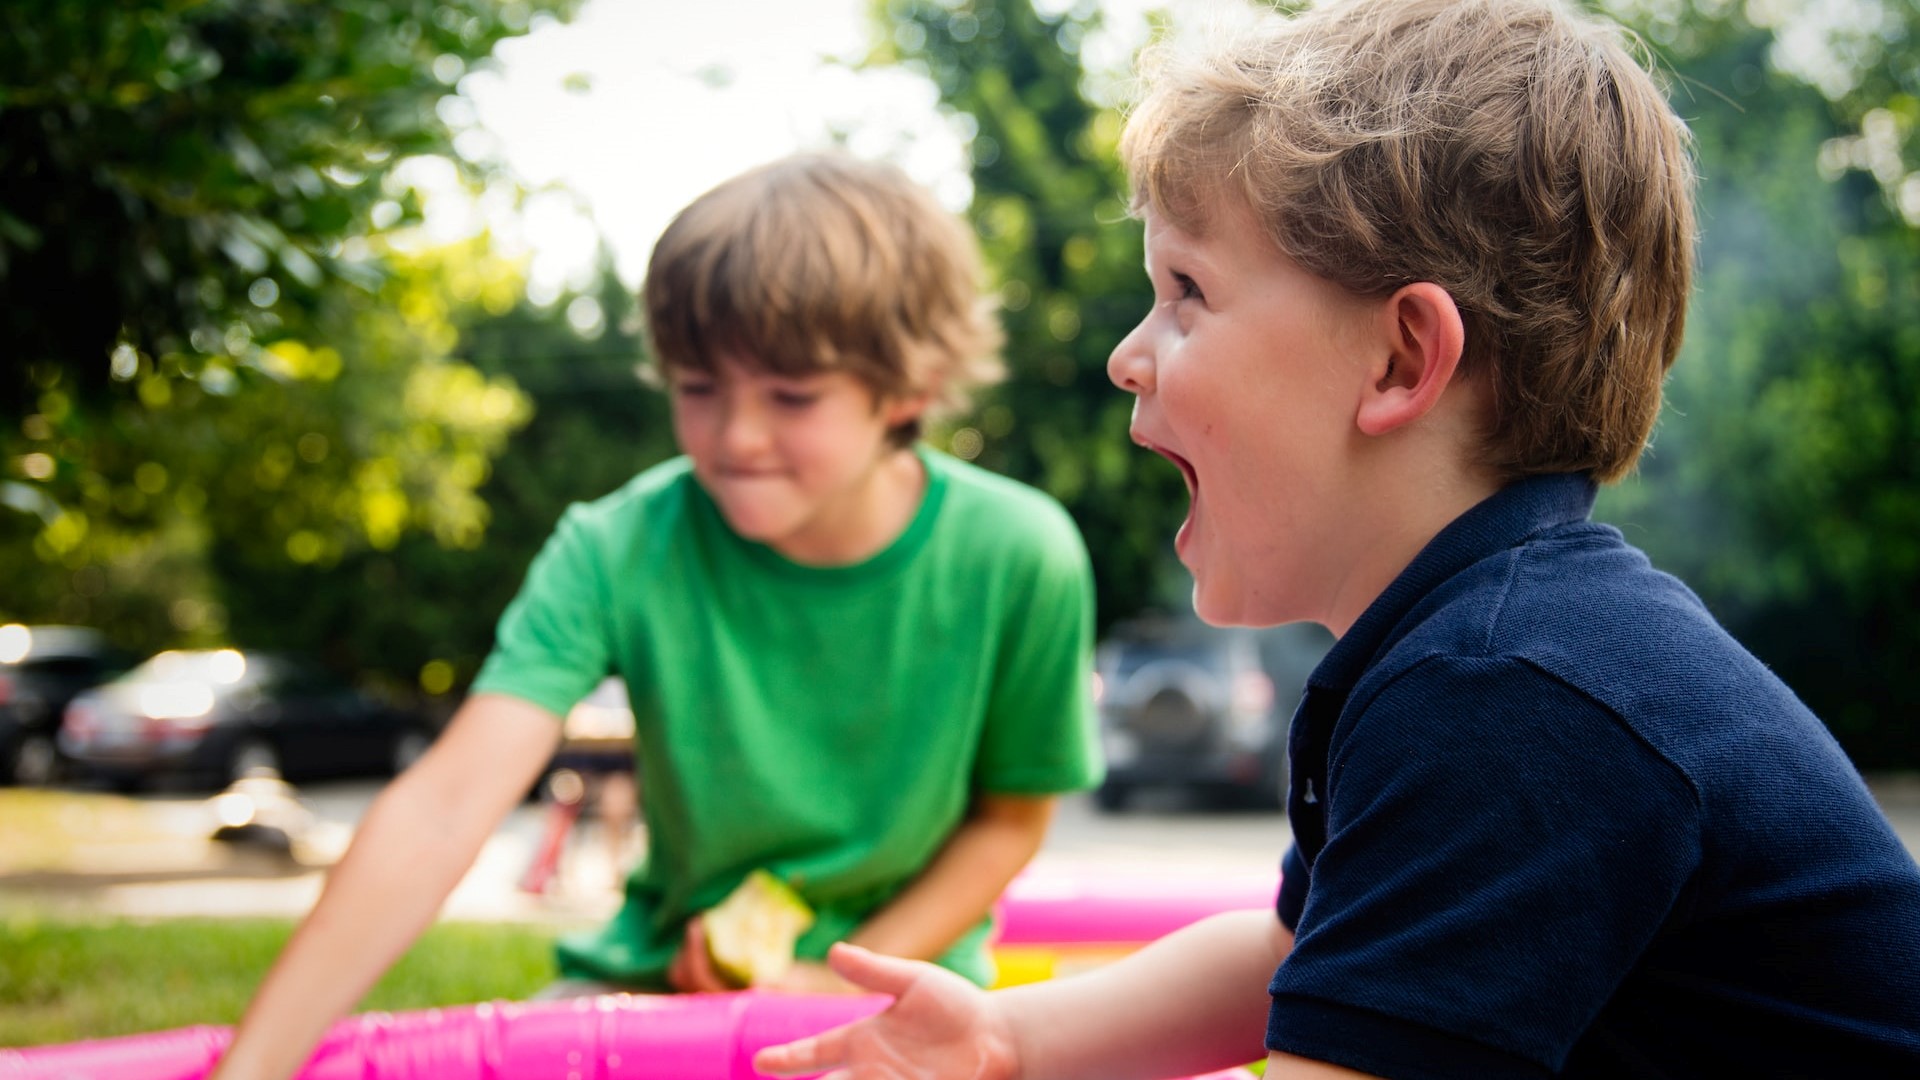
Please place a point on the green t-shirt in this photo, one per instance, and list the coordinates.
(828, 724)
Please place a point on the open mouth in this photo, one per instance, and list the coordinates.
(1186, 469)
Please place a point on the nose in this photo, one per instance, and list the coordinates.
(1130, 367)
(743, 426)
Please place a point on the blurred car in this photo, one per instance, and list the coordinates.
(41, 669)
(1200, 708)
(218, 715)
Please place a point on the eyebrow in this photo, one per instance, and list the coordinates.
(1182, 249)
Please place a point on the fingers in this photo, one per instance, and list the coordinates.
(872, 971)
(823, 1051)
(700, 967)
(692, 971)
(679, 974)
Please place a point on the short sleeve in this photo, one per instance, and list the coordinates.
(1500, 852)
(1039, 736)
(552, 645)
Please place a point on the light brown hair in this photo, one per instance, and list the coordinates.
(1510, 151)
(825, 262)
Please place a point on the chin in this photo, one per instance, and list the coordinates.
(1217, 611)
(1235, 609)
(759, 530)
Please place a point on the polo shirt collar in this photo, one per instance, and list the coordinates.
(1503, 520)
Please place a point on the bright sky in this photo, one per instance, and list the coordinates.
(628, 112)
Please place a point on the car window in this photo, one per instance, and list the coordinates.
(60, 667)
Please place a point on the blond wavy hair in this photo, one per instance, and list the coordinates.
(825, 262)
(1513, 152)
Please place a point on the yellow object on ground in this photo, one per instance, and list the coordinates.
(1020, 964)
(750, 935)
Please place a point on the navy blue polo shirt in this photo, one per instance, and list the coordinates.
(1550, 819)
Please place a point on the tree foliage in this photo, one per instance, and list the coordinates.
(1784, 481)
(423, 611)
(1051, 210)
(217, 355)
(183, 176)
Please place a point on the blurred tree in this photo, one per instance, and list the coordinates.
(212, 346)
(427, 612)
(181, 176)
(415, 610)
(306, 457)
(1784, 481)
(1050, 206)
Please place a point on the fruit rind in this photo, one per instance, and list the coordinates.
(751, 934)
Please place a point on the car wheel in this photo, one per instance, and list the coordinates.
(35, 761)
(407, 748)
(252, 755)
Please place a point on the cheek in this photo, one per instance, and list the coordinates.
(681, 419)
(693, 428)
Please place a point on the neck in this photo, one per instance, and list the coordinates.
(868, 519)
(1417, 503)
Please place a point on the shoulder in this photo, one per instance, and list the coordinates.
(1591, 610)
(651, 491)
(1577, 602)
(1578, 609)
(1001, 512)
(654, 501)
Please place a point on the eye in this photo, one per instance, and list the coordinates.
(794, 399)
(1185, 288)
(693, 388)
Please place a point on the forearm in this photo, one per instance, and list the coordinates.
(1193, 1002)
(414, 845)
(962, 882)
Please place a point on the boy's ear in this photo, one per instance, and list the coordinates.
(1424, 337)
(902, 410)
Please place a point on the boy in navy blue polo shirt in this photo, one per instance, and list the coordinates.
(1420, 267)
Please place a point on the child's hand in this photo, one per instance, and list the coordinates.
(939, 1025)
(692, 969)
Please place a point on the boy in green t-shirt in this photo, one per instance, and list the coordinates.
(855, 663)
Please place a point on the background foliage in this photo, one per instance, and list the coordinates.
(1784, 483)
(240, 404)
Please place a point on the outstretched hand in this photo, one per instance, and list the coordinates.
(939, 1026)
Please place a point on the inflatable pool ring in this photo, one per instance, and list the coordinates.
(616, 1037)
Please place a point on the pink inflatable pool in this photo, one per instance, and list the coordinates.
(619, 1037)
(1055, 907)
(623, 1037)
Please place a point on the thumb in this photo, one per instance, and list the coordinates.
(872, 971)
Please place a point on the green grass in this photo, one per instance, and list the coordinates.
(64, 979)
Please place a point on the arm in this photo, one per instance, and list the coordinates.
(998, 838)
(1193, 1001)
(418, 839)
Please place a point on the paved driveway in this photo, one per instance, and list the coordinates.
(151, 856)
